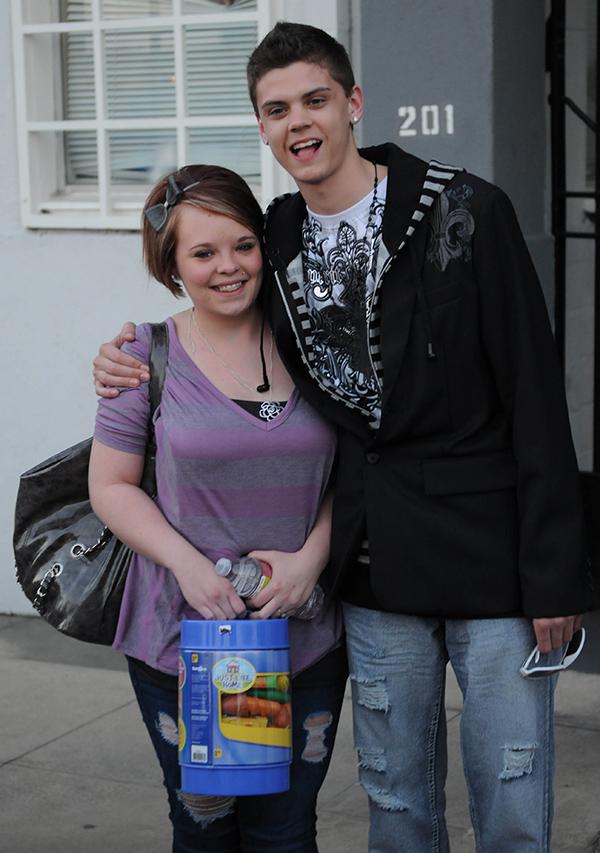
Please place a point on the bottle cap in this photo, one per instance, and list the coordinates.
(223, 566)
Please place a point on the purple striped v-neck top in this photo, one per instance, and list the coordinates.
(228, 482)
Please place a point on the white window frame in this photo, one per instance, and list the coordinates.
(77, 207)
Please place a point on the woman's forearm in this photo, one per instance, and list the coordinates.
(116, 497)
(138, 522)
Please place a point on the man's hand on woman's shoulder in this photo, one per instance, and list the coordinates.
(114, 369)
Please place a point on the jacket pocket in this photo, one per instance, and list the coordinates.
(467, 474)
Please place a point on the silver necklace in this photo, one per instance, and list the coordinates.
(269, 408)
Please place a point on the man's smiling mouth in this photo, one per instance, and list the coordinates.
(308, 143)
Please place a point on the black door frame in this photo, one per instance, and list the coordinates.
(560, 103)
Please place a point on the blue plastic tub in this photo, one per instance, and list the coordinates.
(235, 734)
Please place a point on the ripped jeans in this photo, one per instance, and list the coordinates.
(397, 671)
(273, 823)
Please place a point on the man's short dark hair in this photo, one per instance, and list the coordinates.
(287, 43)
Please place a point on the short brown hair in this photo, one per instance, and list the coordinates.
(217, 189)
(287, 43)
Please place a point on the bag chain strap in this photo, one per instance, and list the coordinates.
(77, 550)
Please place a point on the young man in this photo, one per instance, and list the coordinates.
(407, 310)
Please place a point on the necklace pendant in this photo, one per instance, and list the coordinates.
(269, 410)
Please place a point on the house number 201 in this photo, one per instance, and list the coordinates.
(430, 120)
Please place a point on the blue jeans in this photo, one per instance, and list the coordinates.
(397, 671)
(275, 823)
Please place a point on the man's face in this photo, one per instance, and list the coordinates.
(306, 118)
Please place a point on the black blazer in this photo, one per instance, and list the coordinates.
(469, 488)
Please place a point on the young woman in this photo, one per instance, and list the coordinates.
(242, 467)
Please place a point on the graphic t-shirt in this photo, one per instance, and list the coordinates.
(339, 254)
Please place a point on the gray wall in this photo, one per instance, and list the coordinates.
(486, 59)
(579, 326)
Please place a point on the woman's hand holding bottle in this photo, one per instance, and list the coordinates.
(293, 580)
(212, 596)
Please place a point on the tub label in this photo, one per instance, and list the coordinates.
(233, 675)
(199, 711)
(261, 714)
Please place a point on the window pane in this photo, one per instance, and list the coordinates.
(65, 11)
(50, 59)
(52, 182)
(197, 7)
(135, 8)
(237, 148)
(140, 73)
(78, 77)
(215, 61)
(74, 10)
(81, 157)
(141, 156)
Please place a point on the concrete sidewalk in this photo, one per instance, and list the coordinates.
(77, 773)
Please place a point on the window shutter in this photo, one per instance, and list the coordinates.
(139, 74)
(76, 10)
(79, 100)
(237, 148)
(196, 7)
(215, 62)
(135, 8)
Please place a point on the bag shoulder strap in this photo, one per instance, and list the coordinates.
(159, 351)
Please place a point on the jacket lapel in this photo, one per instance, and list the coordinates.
(406, 176)
(397, 310)
(413, 187)
(397, 294)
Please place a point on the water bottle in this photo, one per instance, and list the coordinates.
(311, 607)
(249, 575)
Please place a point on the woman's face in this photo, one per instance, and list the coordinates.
(219, 262)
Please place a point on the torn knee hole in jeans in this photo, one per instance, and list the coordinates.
(371, 693)
(386, 800)
(372, 759)
(167, 728)
(518, 761)
(203, 808)
(315, 725)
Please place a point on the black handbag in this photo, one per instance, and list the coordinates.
(69, 564)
